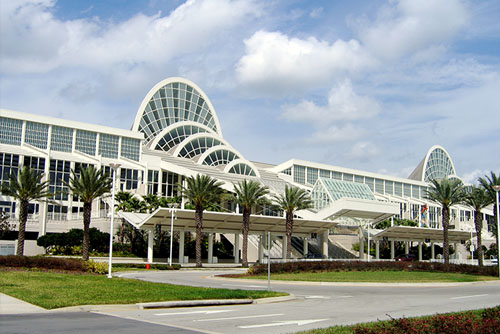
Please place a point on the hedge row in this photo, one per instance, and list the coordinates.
(309, 266)
(487, 322)
(43, 263)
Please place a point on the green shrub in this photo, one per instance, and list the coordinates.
(96, 267)
(42, 263)
(310, 266)
(70, 243)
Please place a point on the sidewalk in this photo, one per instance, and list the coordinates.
(11, 305)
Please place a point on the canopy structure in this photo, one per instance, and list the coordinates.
(224, 222)
(407, 233)
(359, 208)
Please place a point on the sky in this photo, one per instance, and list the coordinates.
(369, 85)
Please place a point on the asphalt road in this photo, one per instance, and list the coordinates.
(316, 305)
(80, 323)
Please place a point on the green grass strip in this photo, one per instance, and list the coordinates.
(376, 277)
(54, 290)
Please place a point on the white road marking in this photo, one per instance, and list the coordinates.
(284, 323)
(473, 296)
(195, 312)
(317, 297)
(247, 286)
(345, 296)
(242, 317)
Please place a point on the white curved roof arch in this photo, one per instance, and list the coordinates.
(213, 149)
(437, 164)
(241, 161)
(154, 143)
(190, 139)
(142, 108)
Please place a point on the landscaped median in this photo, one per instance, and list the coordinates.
(485, 321)
(71, 287)
(376, 271)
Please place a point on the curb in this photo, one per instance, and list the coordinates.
(356, 284)
(172, 304)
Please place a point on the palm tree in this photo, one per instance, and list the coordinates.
(447, 193)
(152, 202)
(487, 183)
(89, 184)
(248, 194)
(293, 199)
(201, 191)
(26, 187)
(477, 199)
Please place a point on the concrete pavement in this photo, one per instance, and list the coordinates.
(11, 305)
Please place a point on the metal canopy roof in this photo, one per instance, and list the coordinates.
(359, 208)
(224, 222)
(407, 233)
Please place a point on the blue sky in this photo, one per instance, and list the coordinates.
(370, 85)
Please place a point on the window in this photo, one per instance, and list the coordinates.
(398, 189)
(242, 169)
(61, 139)
(198, 146)
(153, 181)
(169, 183)
(37, 134)
(177, 135)
(369, 182)
(324, 173)
(10, 131)
(59, 172)
(9, 164)
(299, 174)
(175, 102)
(312, 175)
(129, 179)
(220, 157)
(131, 148)
(86, 141)
(389, 187)
(379, 186)
(37, 163)
(108, 146)
(347, 177)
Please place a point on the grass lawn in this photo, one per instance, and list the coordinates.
(376, 276)
(54, 290)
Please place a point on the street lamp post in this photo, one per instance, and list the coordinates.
(173, 208)
(497, 189)
(114, 166)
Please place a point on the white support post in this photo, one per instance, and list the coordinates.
(407, 247)
(324, 244)
(210, 248)
(283, 249)
(236, 250)
(261, 247)
(377, 250)
(361, 248)
(150, 245)
(433, 254)
(305, 247)
(182, 235)
(393, 250)
(420, 250)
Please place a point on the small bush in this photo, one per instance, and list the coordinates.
(307, 266)
(15, 261)
(96, 267)
(488, 322)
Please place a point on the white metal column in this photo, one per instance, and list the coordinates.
(283, 249)
(393, 250)
(181, 246)
(210, 248)
(420, 250)
(236, 251)
(324, 244)
(150, 245)
(306, 246)
(377, 250)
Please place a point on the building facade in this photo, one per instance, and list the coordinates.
(176, 133)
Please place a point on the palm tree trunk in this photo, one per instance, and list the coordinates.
(446, 243)
(87, 211)
(23, 217)
(289, 231)
(198, 217)
(246, 228)
(478, 222)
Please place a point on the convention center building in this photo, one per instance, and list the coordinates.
(177, 134)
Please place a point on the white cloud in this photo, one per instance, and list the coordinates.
(316, 12)
(363, 151)
(33, 40)
(343, 104)
(275, 62)
(335, 134)
(472, 176)
(406, 27)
